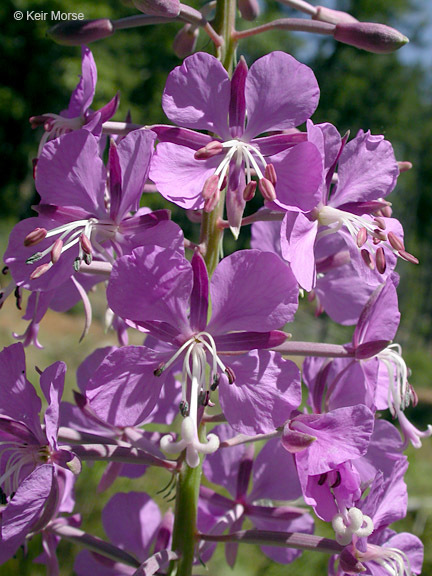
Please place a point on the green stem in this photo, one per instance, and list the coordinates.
(224, 24)
(184, 533)
(211, 235)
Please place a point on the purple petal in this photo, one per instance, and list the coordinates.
(298, 235)
(245, 341)
(299, 177)
(367, 170)
(253, 291)
(70, 172)
(161, 282)
(25, 508)
(200, 293)
(153, 228)
(82, 96)
(18, 398)
(380, 317)
(281, 93)
(237, 106)
(52, 384)
(341, 435)
(130, 522)
(265, 391)
(274, 474)
(88, 367)
(124, 389)
(184, 185)
(108, 111)
(134, 154)
(181, 136)
(197, 95)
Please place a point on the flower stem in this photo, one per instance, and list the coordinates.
(184, 533)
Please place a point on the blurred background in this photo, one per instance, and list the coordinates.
(389, 94)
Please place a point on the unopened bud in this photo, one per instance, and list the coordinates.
(249, 9)
(163, 8)
(78, 32)
(332, 16)
(370, 36)
(185, 41)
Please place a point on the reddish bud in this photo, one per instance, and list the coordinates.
(185, 40)
(35, 236)
(78, 32)
(249, 9)
(163, 8)
(377, 38)
(332, 16)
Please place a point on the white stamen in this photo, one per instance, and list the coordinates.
(399, 394)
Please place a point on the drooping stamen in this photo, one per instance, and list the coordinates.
(399, 391)
(393, 560)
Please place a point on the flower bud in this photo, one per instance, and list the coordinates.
(249, 9)
(78, 32)
(370, 36)
(164, 8)
(184, 43)
(332, 16)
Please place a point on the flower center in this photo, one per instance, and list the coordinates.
(19, 455)
(352, 522)
(87, 233)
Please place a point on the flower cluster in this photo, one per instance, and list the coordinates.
(215, 348)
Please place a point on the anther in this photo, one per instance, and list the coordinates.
(5, 270)
(40, 270)
(367, 259)
(56, 250)
(35, 236)
(395, 242)
(36, 256)
(158, 371)
(380, 260)
(322, 479)
(361, 237)
(184, 408)
(77, 263)
(267, 189)
(211, 149)
(380, 222)
(18, 297)
(86, 244)
(215, 383)
(230, 373)
(210, 187)
(270, 174)
(408, 257)
(338, 480)
(249, 191)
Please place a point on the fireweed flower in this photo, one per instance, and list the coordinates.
(81, 215)
(191, 168)
(252, 293)
(25, 445)
(133, 522)
(78, 113)
(366, 173)
(382, 552)
(274, 477)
